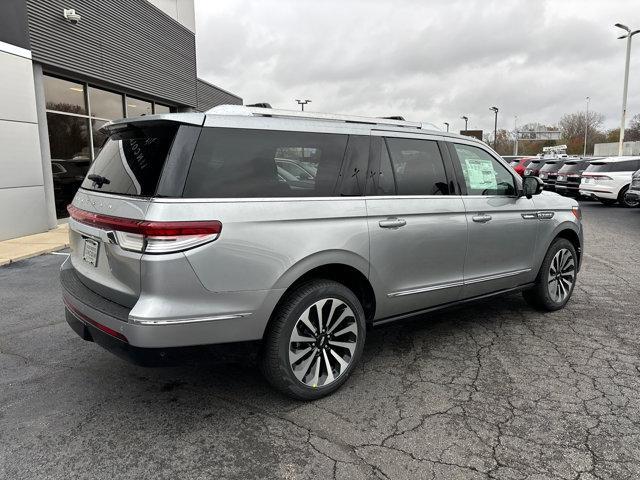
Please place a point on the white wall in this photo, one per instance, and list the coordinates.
(23, 208)
(611, 149)
(180, 10)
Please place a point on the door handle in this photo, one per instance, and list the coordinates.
(392, 223)
(484, 218)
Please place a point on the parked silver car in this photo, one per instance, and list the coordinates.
(183, 233)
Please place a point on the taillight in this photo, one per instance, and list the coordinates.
(149, 236)
(598, 177)
(577, 212)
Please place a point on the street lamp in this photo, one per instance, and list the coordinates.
(466, 122)
(586, 128)
(495, 127)
(515, 131)
(628, 36)
(302, 103)
(447, 125)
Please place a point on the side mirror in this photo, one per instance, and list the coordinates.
(531, 186)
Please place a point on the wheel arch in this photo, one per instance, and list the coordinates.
(347, 268)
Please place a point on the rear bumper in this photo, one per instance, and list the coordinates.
(567, 189)
(598, 192)
(102, 318)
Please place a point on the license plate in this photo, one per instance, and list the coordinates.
(90, 251)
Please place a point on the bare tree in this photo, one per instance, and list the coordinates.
(572, 129)
(632, 134)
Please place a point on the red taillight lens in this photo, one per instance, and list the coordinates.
(151, 236)
(598, 177)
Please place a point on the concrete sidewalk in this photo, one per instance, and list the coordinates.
(32, 245)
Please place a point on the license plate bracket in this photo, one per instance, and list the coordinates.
(90, 251)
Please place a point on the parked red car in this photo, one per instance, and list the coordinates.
(519, 164)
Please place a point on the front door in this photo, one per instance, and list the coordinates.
(502, 225)
(417, 230)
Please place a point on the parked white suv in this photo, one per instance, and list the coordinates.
(608, 180)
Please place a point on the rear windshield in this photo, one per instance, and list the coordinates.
(230, 162)
(572, 167)
(624, 166)
(131, 160)
(550, 166)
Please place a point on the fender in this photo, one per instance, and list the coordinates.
(544, 242)
(319, 259)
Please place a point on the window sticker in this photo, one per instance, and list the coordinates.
(479, 174)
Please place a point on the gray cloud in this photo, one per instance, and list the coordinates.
(431, 61)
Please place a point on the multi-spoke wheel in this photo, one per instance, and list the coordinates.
(323, 342)
(314, 340)
(562, 273)
(556, 279)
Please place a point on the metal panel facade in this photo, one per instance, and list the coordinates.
(130, 44)
(209, 96)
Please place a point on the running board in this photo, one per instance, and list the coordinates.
(414, 313)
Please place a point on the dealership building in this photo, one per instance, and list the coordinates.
(70, 66)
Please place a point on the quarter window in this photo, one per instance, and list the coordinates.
(483, 174)
(418, 167)
(244, 163)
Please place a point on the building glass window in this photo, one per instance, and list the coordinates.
(161, 108)
(64, 96)
(74, 129)
(104, 104)
(137, 107)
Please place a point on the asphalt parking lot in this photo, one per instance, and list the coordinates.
(489, 390)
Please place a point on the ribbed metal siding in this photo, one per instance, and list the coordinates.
(209, 96)
(131, 44)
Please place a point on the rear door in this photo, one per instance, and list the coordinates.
(502, 225)
(120, 183)
(417, 225)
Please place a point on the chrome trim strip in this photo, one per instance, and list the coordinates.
(183, 321)
(496, 276)
(462, 283)
(402, 293)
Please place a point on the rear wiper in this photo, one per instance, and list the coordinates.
(98, 180)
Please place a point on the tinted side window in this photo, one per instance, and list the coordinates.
(354, 173)
(483, 174)
(245, 163)
(418, 167)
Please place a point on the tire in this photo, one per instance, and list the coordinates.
(624, 202)
(550, 295)
(314, 302)
(607, 201)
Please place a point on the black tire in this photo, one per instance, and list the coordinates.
(624, 202)
(275, 364)
(607, 201)
(539, 296)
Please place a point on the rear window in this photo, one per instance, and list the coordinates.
(624, 166)
(244, 163)
(599, 167)
(131, 161)
(572, 167)
(549, 166)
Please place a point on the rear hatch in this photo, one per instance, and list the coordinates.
(534, 167)
(570, 172)
(140, 159)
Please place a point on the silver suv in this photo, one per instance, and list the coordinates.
(300, 230)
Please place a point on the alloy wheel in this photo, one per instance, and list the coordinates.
(562, 274)
(323, 342)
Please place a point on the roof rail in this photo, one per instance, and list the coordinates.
(247, 110)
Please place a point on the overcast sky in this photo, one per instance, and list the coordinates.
(430, 61)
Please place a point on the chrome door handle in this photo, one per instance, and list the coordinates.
(392, 223)
(484, 218)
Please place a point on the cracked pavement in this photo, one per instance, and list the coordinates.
(490, 390)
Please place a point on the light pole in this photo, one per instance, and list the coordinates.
(628, 36)
(495, 127)
(447, 125)
(586, 128)
(466, 122)
(515, 131)
(302, 103)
